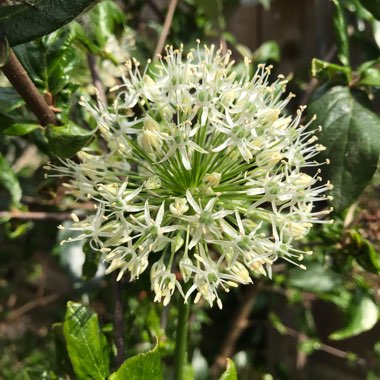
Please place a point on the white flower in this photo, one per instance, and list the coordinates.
(202, 171)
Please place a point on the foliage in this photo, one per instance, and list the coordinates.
(328, 308)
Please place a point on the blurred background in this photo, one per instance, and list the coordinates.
(317, 324)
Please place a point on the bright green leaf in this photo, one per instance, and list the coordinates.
(86, 345)
(362, 316)
(315, 278)
(329, 71)
(23, 23)
(351, 135)
(65, 141)
(372, 6)
(230, 373)
(145, 366)
(104, 20)
(61, 59)
(268, 51)
(18, 129)
(370, 77)
(9, 180)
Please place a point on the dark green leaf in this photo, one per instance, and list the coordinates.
(362, 315)
(18, 129)
(365, 253)
(23, 23)
(326, 71)
(104, 20)
(65, 141)
(86, 345)
(61, 355)
(340, 27)
(213, 10)
(230, 373)
(51, 61)
(372, 6)
(9, 180)
(91, 262)
(315, 278)
(9, 100)
(61, 59)
(140, 367)
(351, 135)
(4, 50)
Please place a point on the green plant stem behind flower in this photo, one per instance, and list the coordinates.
(202, 172)
(180, 354)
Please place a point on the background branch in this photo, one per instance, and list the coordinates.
(20, 80)
(165, 28)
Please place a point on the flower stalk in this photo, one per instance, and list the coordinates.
(180, 354)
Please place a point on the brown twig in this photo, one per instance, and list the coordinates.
(40, 301)
(96, 77)
(323, 347)
(239, 324)
(20, 80)
(165, 28)
(35, 215)
(118, 322)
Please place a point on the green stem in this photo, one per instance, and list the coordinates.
(180, 354)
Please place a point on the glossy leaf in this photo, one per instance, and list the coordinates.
(22, 23)
(230, 373)
(145, 366)
(362, 316)
(20, 129)
(370, 77)
(9, 180)
(51, 60)
(351, 135)
(61, 59)
(315, 278)
(65, 141)
(86, 345)
(372, 6)
(104, 20)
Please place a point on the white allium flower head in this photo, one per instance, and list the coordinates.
(202, 181)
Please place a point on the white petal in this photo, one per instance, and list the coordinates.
(204, 116)
(148, 220)
(194, 204)
(227, 143)
(160, 214)
(185, 158)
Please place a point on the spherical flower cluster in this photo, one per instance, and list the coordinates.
(202, 178)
